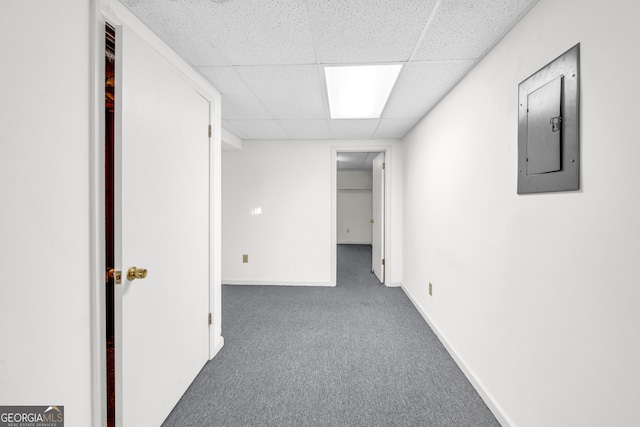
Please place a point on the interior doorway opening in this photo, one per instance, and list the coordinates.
(360, 203)
(109, 202)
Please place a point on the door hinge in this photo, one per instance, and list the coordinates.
(209, 131)
(382, 261)
(210, 319)
(383, 165)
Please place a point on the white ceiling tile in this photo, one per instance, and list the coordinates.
(465, 29)
(231, 128)
(288, 92)
(353, 129)
(259, 129)
(356, 31)
(394, 128)
(306, 129)
(421, 86)
(238, 102)
(169, 20)
(252, 32)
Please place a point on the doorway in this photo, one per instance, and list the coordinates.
(109, 144)
(360, 203)
(157, 216)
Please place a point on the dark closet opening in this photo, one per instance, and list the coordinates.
(109, 133)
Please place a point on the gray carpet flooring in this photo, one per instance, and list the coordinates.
(358, 354)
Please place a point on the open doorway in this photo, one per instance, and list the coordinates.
(109, 144)
(145, 217)
(360, 204)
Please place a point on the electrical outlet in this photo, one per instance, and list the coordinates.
(245, 258)
(348, 230)
(430, 289)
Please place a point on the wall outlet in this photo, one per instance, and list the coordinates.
(245, 258)
(348, 230)
(430, 289)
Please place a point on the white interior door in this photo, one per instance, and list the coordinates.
(377, 211)
(162, 225)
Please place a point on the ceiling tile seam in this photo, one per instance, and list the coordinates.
(270, 120)
(375, 131)
(303, 120)
(265, 65)
(441, 61)
(314, 42)
(410, 129)
(224, 58)
(476, 62)
(434, 11)
(234, 130)
(343, 64)
(280, 120)
(273, 117)
(393, 90)
(282, 128)
(277, 121)
(325, 92)
(297, 64)
(355, 64)
(499, 39)
(200, 33)
(166, 42)
(445, 94)
(233, 67)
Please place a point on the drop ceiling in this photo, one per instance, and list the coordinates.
(267, 57)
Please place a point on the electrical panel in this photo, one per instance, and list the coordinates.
(548, 127)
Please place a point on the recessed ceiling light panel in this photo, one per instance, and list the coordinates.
(360, 92)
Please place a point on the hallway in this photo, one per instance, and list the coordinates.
(358, 354)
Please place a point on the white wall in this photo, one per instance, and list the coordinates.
(354, 207)
(45, 251)
(537, 295)
(291, 241)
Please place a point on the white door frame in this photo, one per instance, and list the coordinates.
(378, 217)
(388, 260)
(117, 14)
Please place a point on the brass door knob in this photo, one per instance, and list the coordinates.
(136, 273)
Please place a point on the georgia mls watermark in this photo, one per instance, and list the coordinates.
(31, 416)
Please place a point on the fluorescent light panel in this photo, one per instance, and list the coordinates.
(359, 92)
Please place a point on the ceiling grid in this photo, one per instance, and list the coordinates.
(267, 58)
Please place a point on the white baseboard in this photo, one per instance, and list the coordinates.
(217, 347)
(273, 283)
(484, 393)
